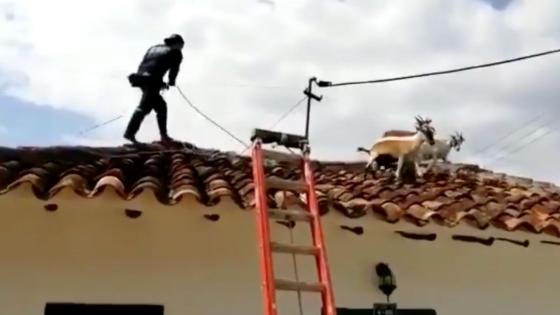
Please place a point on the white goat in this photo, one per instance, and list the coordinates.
(441, 148)
(401, 147)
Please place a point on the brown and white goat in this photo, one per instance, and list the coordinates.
(398, 133)
(402, 146)
(386, 161)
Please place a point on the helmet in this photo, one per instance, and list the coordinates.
(174, 39)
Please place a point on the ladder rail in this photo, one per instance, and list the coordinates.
(263, 230)
(270, 284)
(323, 271)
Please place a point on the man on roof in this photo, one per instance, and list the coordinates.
(158, 60)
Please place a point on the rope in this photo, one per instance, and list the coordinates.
(491, 64)
(296, 274)
(210, 119)
(189, 103)
(90, 129)
(184, 149)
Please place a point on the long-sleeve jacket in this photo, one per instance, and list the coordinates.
(159, 59)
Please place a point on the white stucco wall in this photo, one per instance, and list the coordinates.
(89, 251)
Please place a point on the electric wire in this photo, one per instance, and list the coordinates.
(414, 76)
(296, 105)
(242, 85)
(507, 135)
(329, 84)
(523, 146)
(289, 111)
(504, 149)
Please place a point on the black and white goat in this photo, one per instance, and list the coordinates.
(441, 148)
(403, 146)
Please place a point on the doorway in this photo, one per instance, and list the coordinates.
(369, 311)
(102, 309)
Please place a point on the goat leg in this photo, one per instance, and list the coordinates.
(431, 164)
(398, 172)
(372, 163)
(419, 172)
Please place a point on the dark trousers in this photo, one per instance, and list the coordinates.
(151, 99)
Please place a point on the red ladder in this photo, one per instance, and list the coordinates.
(266, 246)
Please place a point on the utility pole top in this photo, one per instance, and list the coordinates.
(309, 93)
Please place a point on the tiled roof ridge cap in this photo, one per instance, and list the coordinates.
(77, 151)
(82, 151)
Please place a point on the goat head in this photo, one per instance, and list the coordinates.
(422, 121)
(459, 137)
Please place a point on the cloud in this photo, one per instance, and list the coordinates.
(246, 64)
(498, 4)
(27, 123)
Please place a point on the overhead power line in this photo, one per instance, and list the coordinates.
(501, 145)
(296, 105)
(509, 134)
(330, 84)
(289, 111)
(242, 85)
(414, 76)
(523, 146)
(504, 149)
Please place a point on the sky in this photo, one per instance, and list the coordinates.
(64, 63)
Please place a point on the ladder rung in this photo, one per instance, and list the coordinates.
(285, 139)
(289, 285)
(294, 215)
(294, 249)
(281, 156)
(286, 184)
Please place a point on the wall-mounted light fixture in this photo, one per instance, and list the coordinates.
(132, 213)
(386, 279)
(212, 217)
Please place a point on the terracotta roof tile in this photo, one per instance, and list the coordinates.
(421, 214)
(75, 182)
(391, 211)
(449, 194)
(553, 227)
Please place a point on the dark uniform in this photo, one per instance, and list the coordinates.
(149, 78)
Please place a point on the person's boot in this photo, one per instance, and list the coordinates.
(131, 139)
(133, 126)
(162, 125)
(167, 140)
